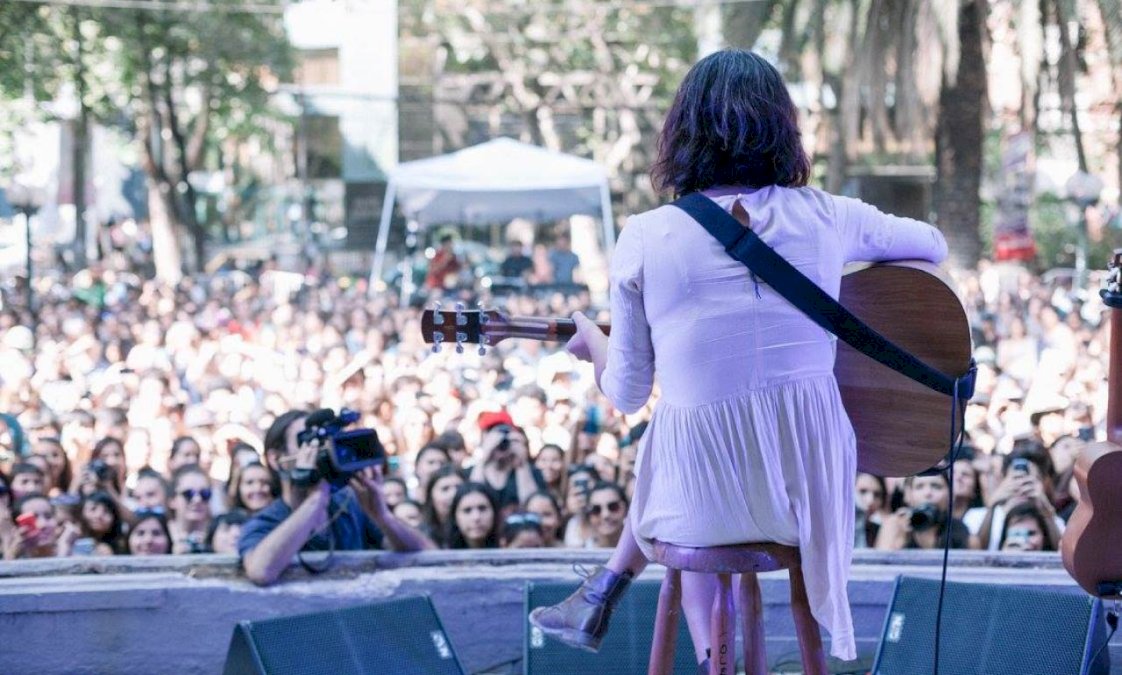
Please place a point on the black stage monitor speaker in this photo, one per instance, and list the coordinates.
(991, 630)
(396, 637)
(626, 649)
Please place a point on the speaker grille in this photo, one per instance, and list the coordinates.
(985, 629)
(399, 637)
(626, 649)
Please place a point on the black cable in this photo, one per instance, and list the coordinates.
(1112, 621)
(958, 434)
(326, 527)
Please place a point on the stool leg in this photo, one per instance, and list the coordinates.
(752, 606)
(810, 639)
(666, 624)
(722, 660)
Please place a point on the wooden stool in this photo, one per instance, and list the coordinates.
(724, 561)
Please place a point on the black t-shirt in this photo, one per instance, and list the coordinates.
(516, 266)
(506, 497)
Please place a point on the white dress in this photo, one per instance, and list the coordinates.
(749, 440)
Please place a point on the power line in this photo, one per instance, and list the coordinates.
(197, 6)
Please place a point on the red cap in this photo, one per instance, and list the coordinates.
(490, 419)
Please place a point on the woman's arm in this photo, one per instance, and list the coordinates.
(624, 363)
(869, 235)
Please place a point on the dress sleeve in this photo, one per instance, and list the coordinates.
(869, 235)
(629, 373)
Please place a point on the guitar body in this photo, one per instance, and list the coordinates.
(1090, 543)
(902, 426)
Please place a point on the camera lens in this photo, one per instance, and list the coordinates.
(924, 517)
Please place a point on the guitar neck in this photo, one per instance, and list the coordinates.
(1114, 379)
(547, 329)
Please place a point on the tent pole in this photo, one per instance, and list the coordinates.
(609, 222)
(383, 236)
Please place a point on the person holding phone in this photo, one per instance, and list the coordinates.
(37, 533)
(1026, 478)
(317, 518)
(1026, 529)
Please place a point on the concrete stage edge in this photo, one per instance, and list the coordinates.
(175, 614)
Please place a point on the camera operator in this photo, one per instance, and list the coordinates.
(923, 522)
(314, 518)
(505, 466)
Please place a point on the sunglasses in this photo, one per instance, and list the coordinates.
(516, 519)
(612, 507)
(189, 495)
(581, 468)
(148, 512)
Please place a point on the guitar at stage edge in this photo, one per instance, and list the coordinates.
(1092, 542)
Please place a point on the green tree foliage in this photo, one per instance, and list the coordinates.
(181, 82)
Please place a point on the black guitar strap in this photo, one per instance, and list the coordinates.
(744, 245)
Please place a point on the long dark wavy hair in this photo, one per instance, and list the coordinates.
(732, 123)
(454, 536)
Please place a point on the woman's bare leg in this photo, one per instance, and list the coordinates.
(698, 591)
(627, 556)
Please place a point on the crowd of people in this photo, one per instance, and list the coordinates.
(134, 419)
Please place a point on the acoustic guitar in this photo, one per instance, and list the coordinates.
(902, 426)
(1090, 544)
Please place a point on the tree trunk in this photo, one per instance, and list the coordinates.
(959, 141)
(81, 143)
(165, 243)
(1067, 82)
(744, 21)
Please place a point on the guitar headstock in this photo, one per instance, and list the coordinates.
(1112, 288)
(462, 326)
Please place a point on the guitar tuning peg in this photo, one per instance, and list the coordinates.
(482, 350)
(459, 348)
(437, 338)
(461, 318)
(436, 348)
(437, 317)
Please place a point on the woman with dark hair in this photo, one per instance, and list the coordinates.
(101, 521)
(577, 532)
(58, 464)
(550, 460)
(110, 452)
(438, 502)
(256, 488)
(1026, 529)
(872, 508)
(222, 535)
(149, 535)
(749, 440)
(474, 518)
(522, 529)
(241, 455)
(544, 505)
(429, 460)
(185, 451)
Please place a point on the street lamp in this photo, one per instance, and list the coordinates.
(27, 199)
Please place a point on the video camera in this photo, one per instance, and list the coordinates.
(341, 453)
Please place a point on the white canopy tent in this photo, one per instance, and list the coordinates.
(495, 181)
